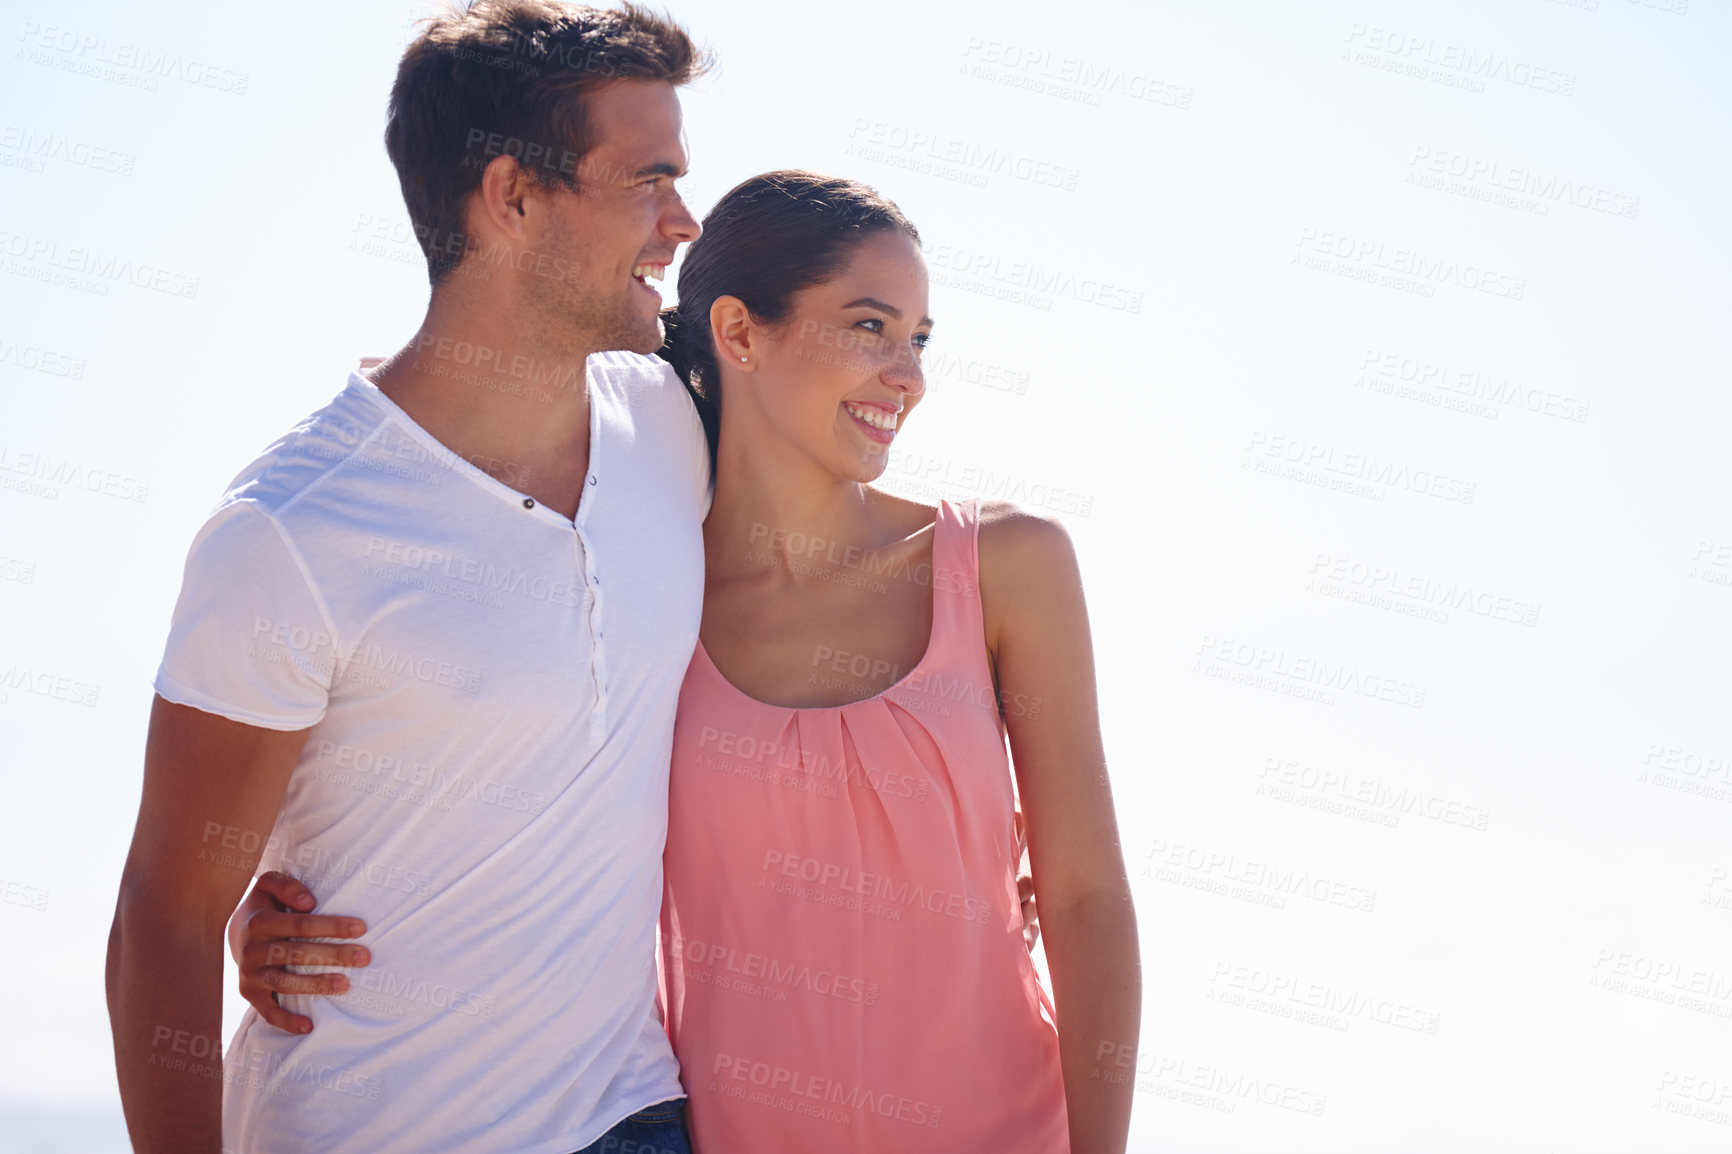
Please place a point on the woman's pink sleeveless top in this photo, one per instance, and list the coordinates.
(842, 958)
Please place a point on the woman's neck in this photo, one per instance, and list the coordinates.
(771, 500)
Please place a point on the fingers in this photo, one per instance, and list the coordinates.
(264, 1001)
(1030, 917)
(277, 952)
(282, 1019)
(267, 924)
(1025, 884)
(263, 975)
(272, 892)
(263, 978)
(270, 941)
(266, 982)
(285, 890)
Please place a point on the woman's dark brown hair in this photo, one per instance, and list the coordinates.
(767, 239)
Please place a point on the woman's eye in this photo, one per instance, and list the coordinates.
(921, 340)
(872, 321)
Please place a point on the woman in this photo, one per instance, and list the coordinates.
(843, 966)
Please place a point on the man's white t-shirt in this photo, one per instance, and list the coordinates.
(490, 689)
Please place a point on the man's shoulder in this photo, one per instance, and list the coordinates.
(649, 389)
(635, 374)
(310, 452)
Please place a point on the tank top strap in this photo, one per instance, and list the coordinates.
(958, 622)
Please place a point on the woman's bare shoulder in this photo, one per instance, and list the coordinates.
(1018, 537)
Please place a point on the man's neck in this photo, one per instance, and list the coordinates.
(499, 399)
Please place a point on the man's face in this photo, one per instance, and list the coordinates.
(608, 244)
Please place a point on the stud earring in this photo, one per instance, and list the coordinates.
(742, 360)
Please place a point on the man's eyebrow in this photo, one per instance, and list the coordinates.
(661, 169)
(874, 302)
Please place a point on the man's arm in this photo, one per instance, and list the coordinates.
(212, 790)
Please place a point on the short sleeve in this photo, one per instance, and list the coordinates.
(249, 640)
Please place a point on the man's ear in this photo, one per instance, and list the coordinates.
(500, 199)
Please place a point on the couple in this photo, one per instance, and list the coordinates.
(526, 605)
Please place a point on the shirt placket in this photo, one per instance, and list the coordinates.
(594, 615)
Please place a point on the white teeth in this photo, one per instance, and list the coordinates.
(877, 418)
(649, 271)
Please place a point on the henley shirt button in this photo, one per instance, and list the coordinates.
(592, 480)
(529, 502)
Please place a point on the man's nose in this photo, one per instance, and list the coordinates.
(679, 223)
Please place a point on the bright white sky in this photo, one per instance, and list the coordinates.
(1235, 173)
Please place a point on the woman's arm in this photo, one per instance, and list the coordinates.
(1037, 630)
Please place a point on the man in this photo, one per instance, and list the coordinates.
(427, 650)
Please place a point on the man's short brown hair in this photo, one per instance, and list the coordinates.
(507, 78)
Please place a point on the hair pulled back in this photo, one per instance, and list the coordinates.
(767, 239)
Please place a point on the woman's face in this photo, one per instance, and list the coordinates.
(839, 377)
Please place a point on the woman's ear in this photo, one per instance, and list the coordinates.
(735, 335)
